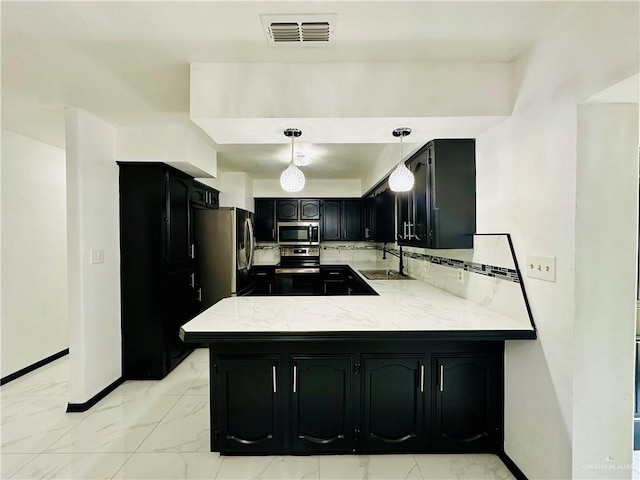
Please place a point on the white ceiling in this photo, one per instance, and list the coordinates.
(128, 62)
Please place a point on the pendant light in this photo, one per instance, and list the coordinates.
(401, 180)
(292, 179)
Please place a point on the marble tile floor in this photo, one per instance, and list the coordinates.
(160, 430)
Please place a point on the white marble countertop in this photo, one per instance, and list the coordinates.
(401, 306)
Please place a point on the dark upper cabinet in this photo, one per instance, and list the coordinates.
(203, 196)
(385, 207)
(440, 211)
(352, 220)
(157, 270)
(341, 219)
(265, 219)
(248, 406)
(287, 209)
(393, 400)
(379, 221)
(369, 217)
(321, 404)
(331, 227)
(293, 209)
(467, 393)
(309, 209)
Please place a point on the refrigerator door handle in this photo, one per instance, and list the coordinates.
(249, 243)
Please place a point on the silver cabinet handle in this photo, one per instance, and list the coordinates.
(295, 378)
(422, 378)
(199, 294)
(192, 251)
(273, 369)
(273, 233)
(441, 378)
(334, 273)
(192, 280)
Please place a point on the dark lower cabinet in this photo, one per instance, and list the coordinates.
(466, 403)
(393, 415)
(321, 404)
(249, 409)
(344, 397)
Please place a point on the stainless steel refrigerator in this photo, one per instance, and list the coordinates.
(226, 243)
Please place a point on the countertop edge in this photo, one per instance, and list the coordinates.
(372, 336)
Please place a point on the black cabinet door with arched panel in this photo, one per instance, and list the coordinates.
(248, 411)
(393, 401)
(467, 403)
(321, 404)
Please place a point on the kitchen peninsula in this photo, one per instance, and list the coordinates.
(412, 369)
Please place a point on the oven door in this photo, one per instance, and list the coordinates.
(297, 281)
(298, 233)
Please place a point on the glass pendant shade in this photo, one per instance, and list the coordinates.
(292, 179)
(401, 180)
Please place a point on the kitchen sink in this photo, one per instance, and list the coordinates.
(384, 275)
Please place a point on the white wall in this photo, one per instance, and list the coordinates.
(34, 252)
(312, 188)
(606, 242)
(93, 223)
(526, 185)
(174, 145)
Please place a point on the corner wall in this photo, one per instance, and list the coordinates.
(93, 223)
(34, 321)
(527, 185)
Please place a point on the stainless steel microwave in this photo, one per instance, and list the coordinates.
(299, 233)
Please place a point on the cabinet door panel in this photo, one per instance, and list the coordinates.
(309, 209)
(393, 403)
(265, 220)
(249, 418)
(466, 400)
(352, 220)
(331, 214)
(178, 219)
(287, 210)
(422, 205)
(321, 404)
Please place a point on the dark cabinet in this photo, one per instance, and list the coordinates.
(265, 219)
(393, 400)
(322, 404)
(248, 404)
(263, 280)
(309, 209)
(287, 210)
(341, 219)
(293, 209)
(440, 210)
(203, 196)
(379, 213)
(466, 403)
(157, 269)
(357, 395)
(179, 232)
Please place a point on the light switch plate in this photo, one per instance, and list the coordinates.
(543, 268)
(96, 255)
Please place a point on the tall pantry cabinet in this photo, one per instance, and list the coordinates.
(158, 274)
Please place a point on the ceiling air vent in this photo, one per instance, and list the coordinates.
(299, 30)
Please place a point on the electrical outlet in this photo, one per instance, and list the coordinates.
(542, 268)
(96, 255)
(461, 275)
